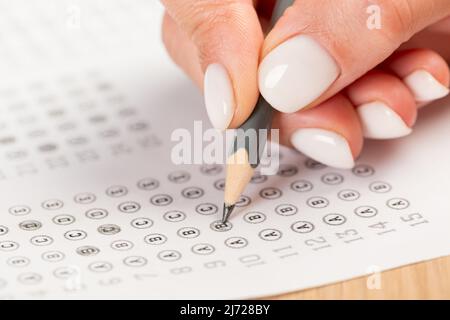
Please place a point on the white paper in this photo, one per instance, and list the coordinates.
(88, 100)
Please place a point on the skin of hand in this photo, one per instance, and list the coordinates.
(338, 71)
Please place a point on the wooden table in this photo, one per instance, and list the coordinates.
(425, 280)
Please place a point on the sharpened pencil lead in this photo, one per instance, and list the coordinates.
(226, 212)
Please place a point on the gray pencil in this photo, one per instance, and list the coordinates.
(249, 144)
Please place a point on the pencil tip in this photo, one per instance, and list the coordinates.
(226, 212)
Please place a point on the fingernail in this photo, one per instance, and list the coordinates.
(424, 86)
(296, 73)
(219, 96)
(381, 122)
(324, 146)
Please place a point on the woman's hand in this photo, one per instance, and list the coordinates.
(340, 57)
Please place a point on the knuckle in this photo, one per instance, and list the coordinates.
(211, 21)
(399, 19)
(207, 16)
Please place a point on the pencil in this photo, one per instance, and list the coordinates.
(249, 144)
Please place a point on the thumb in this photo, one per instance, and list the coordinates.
(224, 39)
(319, 47)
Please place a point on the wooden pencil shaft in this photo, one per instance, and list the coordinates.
(239, 173)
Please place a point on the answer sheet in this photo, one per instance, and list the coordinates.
(93, 207)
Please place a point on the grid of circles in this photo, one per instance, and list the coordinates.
(155, 232)
(90, 120)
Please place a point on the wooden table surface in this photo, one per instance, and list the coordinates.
(424, 280)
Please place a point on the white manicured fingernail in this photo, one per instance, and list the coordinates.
(381, 122)
(424, 86)
(296, 73)
(219, 96)
(324, 146)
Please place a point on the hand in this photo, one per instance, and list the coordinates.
(321, 54)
